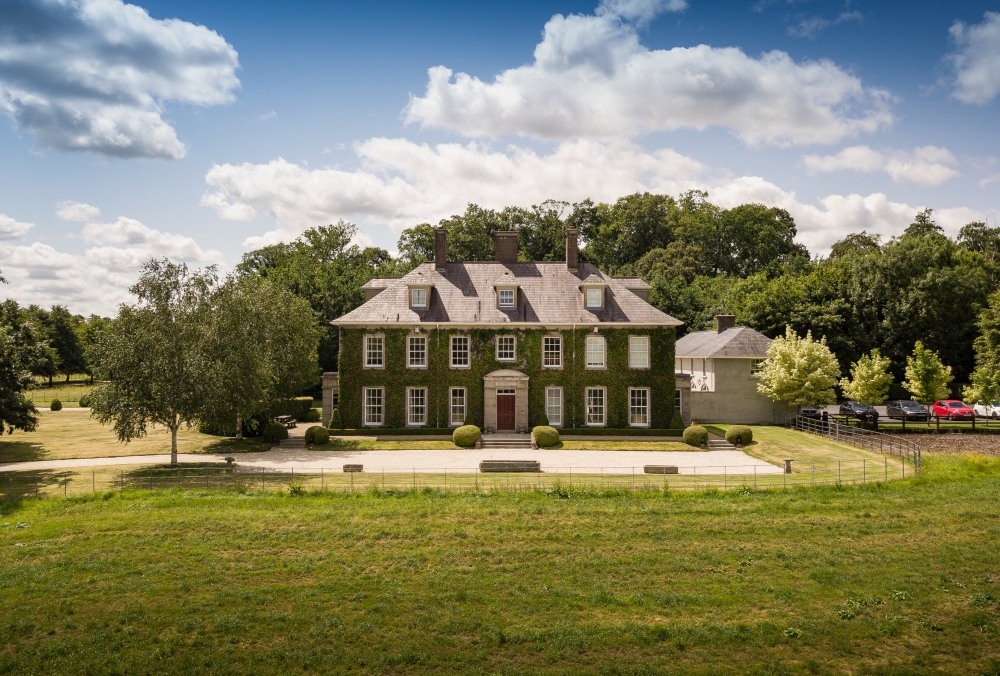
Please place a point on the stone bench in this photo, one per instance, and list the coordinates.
(659, 469)
(510, 466)
(354, 468)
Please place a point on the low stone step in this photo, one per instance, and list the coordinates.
(292, 442)
(510, 466)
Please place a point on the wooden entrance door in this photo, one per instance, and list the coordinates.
(505, 412)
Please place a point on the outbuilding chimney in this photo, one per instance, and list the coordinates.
(440, 249)
(723, 322)
(572, 250)
(505, 245)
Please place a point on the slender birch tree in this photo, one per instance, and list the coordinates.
(151, 355)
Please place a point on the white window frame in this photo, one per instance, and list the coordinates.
(468, 352)
(587, 296)
(380, 337)
(418, 293)
(378, 409)
(409, 352)
(513, 298)
(631, 407)
(587, 406)
(756, 366)
(634, 352)
(420, 419)
(452, 406)
(513, 349)
(546, 352)
(596, 340)
(548, 409)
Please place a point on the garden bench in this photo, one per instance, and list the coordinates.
(510, 466)
(286, 420)
(659, 469)
(354, 468)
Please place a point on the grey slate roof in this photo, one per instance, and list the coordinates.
(633, 283)
(463, 293)
(380, 282)
(740, 341)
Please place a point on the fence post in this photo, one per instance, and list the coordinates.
(864, 471)
(93, 481)
(322, 480)
(838, 471)
(755, 476)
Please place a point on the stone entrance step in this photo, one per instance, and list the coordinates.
(716, 444)
(506, 441)
(292, 442)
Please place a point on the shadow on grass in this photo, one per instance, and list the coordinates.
(233, 445)
(17, 486)
(21, 451)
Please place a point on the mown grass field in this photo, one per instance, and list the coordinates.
(74, 434)
(897, 578)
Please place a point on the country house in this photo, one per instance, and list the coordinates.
(505, 345)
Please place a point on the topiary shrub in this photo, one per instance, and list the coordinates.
(274, 433)
(85, 401)
(312, 415)
(317, 435)
(545, 436)
(466, 436)
(695, 435)
(739, 435)
(55, 405)
(677, 422)
(335, 422)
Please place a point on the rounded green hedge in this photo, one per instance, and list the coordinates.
(545, 436)
(85, 401)
(335, 423)
(56, 405)
(466, 436)
(695, 435)
(317, 435)
(739, 435)
(274, 432)
(312, 415)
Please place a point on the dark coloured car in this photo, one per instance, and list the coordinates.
(904, 409)
(810, 413)
(855, 409)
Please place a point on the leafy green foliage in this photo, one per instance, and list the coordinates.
(926, 377)
(17, 352)
(739, 435)
(545, 436)
(870, 379)
(274, 433)
(317, 435)
(695, 435)
(985, 384)
(466, 436)
(55, 405)
(335, 422)
(799, 371)
(312, 415)
(677, 422)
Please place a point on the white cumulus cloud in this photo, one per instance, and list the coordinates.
(402, 183)
(96, 280)
(591, 77)
(11, 228)
(927, 166)
(93, 75)
(976, 59)
(77, 211)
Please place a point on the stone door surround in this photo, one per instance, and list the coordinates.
(505, 379)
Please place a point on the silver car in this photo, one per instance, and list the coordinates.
(990, 410)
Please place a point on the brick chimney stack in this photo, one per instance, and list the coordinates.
(572, 249)
(723, 322)
(505, 245)
(440, 249)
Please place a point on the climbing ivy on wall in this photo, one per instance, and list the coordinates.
(439, 377)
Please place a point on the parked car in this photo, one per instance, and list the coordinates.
(855, 409)
(904, 409)
(810, 413)
(953, 409)
(990, 410)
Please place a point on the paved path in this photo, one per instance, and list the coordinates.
(609, 462)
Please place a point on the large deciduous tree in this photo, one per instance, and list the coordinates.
(799, 371)
(19, 350)
(926, 377)
(870, 379)
(151, 355)
(985, 385)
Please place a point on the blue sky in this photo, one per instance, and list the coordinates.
(199, 130)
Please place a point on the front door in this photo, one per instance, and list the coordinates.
(505, 412)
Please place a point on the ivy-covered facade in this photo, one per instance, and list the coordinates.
(506, 345)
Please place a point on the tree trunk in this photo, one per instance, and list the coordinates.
(50, 381)
(67, 377)
(239, 426)
(173, 442)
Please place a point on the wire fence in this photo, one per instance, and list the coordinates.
(39, 484)
(887, 444)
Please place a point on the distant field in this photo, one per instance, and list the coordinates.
(895, 578)
(74, 434)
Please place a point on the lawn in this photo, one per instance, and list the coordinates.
(74, 434)
(371, 443)
(774, 444)
(895, 578)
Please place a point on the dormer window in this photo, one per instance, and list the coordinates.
(595, 298)
(593, 288)
(506, 287)
(506, 297)
(418, 298)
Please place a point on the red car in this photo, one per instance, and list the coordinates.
(952, 409)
